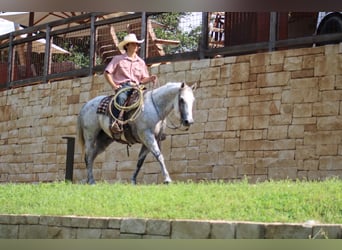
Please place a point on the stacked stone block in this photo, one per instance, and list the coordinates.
(73, 227)
(273, 115)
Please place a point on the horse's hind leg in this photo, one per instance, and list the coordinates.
(102, 142)
(89, 157)
(142, 156)
(93, 148)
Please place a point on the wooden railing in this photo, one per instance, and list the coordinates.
(15, 74)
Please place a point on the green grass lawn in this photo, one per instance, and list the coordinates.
(283, 201)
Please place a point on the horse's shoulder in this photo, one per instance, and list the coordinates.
(99, 98)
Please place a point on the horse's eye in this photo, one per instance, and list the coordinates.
(181, 100)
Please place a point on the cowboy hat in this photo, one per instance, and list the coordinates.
(130, 38)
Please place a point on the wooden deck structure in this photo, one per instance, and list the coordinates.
(241, 33)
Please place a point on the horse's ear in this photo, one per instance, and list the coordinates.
(194, 86)
(182, 85)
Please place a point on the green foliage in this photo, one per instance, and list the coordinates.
(121, 35)
(78, 47)
(171, 30)
(170, 20)
(282, 201)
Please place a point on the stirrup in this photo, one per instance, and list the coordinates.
(116, 128)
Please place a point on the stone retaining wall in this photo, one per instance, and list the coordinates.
(72, 227)
(266, 116)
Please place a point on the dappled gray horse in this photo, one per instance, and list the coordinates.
(95, 136)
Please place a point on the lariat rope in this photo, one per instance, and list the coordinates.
(137, 106)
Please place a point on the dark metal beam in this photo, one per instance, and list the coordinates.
(203, 43)
(47, 55)
(92, 44)
(10, 62)
(143, 35)
(273, 30)
(69, 163)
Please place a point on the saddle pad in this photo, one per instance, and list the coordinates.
(103, 106)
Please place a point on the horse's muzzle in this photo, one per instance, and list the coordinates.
(187, 122)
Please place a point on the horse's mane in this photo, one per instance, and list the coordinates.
(166, 94)
(172, 85)
(167, 88)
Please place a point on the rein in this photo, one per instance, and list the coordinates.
(176, 126)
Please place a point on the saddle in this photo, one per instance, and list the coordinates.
(118, 127)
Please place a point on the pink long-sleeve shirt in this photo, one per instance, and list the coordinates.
(124, 69)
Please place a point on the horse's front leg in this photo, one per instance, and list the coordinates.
(154, 148)
(166, 175)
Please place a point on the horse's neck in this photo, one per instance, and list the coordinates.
(164, 98)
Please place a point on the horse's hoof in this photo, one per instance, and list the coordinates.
(91, 182)
(167, 179)
(167, 182)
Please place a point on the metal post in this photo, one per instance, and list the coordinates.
(47, 56)
(203, 43)
(10, 70)
(92, 44)
(273, 31)
(69, 165)
(143, 35)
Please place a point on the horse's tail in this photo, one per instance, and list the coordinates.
(80, 137)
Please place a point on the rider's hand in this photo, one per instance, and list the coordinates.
(116, 87)
(153, 78)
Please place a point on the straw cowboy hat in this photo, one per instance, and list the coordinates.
(130, 38)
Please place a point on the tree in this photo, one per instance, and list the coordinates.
(79, 48)
(189, 37)
(169, 29)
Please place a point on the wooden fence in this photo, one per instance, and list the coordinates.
(242, 33)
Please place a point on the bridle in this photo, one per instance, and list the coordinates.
(174, 127)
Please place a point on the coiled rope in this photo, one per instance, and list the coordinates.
(137, 106)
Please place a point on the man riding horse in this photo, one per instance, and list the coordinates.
(126, 71)
(96, 131)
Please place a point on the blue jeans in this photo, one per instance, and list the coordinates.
(121, 99)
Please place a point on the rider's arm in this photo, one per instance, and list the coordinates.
(109, 79)
(151, 78)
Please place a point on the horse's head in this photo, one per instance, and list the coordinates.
(185, 104)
